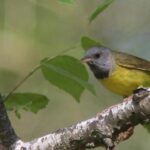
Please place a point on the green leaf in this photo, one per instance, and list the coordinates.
(27, 101)
(67, 1)
(100, 8)
(68, 74)
(147, 126)
(87, 42)
(18, 115)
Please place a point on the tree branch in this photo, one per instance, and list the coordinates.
(108, 128)
(7, 133)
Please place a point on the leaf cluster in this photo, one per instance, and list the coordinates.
(63, 71)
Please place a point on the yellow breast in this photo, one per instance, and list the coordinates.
(123, 81)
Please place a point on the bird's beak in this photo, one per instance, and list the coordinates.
(86, 59)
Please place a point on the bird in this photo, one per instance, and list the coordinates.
(119, 72)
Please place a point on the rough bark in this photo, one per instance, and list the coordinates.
(7, 133)
(108, 128)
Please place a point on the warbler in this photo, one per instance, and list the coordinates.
(119, 72)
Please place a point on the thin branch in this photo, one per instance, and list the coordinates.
(108, 128)
(35, 69)
(22, 81)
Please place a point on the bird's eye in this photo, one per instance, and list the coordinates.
(97, 55)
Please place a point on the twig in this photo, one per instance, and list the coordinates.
(34, 70)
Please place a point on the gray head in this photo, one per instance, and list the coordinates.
(100, 61)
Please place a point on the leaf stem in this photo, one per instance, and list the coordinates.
(22, 81)
(34, 70)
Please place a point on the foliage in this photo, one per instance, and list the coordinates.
(87, 42)
(68, 74)
(65, 72)
(100, 8)
(147, 127)
(27, 101)
(67, 1)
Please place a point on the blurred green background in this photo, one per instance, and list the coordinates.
(33, 29)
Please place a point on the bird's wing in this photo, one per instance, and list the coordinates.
(130, 61)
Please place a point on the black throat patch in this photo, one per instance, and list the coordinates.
(99, 74)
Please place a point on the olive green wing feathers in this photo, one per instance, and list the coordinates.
(130, 61)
